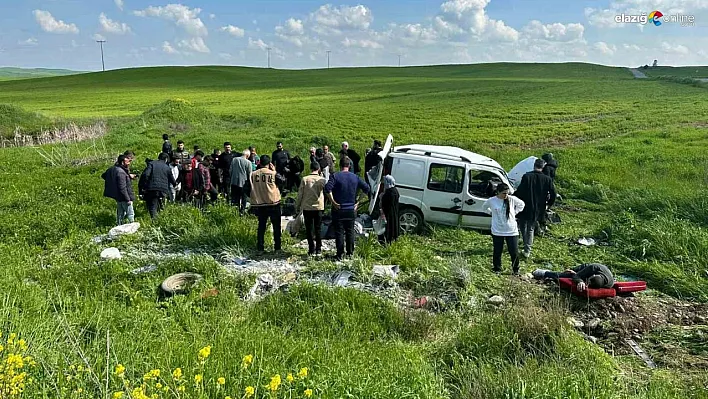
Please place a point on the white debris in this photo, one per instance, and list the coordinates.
(390, 271)
(110, 254)
(130, 228)
(588, 242)
(327, 245)
(99, 239)
(251, 266)
(264, 284)
(575, 322)
(144, 269)
(496, 300)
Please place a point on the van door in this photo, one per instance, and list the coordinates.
(481, 185)
(376, 174)
(444, 192)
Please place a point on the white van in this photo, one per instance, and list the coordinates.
(439, 184)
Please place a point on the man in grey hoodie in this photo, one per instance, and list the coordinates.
(240, 173)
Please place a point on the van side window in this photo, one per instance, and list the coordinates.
(446, 178)
(483, 183)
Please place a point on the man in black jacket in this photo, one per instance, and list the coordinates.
(538, 193)
(372, 159)
(166, 145)
(587, 275)
(158, 179)
(281, 160)
(224, 164)
(117, 186)
(551, 166)
(353, 156)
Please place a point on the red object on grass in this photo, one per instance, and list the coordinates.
(623, 287)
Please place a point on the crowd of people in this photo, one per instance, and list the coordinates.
(177, 176)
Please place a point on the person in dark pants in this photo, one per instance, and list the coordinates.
(372, 159)
(224, 166)
(389, 207)
(353, 156)
(265, 201)
(117, 186)
(158, 180)
(310, 201)
(587, 275)
(342, 191)
(281, 160)
(504, 209)
(240, 175)
(538, 193)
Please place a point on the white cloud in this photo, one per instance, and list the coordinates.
(183, 16)
(29, 42)
(110, 26)
(212, 16)
(362, 43)
(554, 32)
(49, 24)
(98, 36)
(632, 47)
(257, 44)
(602, 18)
(461, 7)
(292, 27)
(195, 44)
(344, 18)
(471, 16)
(604, 48)
(74, 44)
(233, 30)
(674, 49)
(226, 56)
(167, 48)
(119, 4)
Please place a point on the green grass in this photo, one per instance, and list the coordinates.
(632, 169)
(7, 73)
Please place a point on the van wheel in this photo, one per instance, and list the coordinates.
(411, 221)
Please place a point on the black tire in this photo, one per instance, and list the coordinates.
(411, 220)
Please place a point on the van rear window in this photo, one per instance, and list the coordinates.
(446, 178)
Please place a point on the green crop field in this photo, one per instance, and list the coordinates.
(8, 73)
(633, 174)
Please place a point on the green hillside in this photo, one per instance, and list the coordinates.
(8, 73)
(680, 72)
(633, 174)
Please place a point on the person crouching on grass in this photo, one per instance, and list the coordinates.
(504, 208)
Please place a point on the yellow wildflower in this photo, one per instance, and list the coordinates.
(198, 378)
(1, 348)
(120, 371)
(290, 378)
(117, 395)
(166, 389)
(302, 373)
(80, 368)
(177, 374)
(247, 360)
(308, 393)
(181, 388)
(158, 386)
(221, 381)
(204, 353)
(274, 383)
(228, 397)
(250, 391)
(23, 344)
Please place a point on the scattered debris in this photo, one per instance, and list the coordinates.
(587, 242)
(593, 324)
(575, 322)
(144, 269)
(180, 283)
(264, 284)
(210, 293)
(111, 254)
(592, 339)
(390, 271)
(341, 279)
(327, 245)
(295, 225)
(130, 228)
(640, 352)
(495, 300)
(99, 239)
(273, 266)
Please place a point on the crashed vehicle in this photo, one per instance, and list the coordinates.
(441, 184)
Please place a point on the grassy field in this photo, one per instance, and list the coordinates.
(633, 172)
(9, 73)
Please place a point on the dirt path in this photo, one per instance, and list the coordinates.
(637, 73)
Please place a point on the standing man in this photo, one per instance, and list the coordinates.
(158, 183)
(176, 170)
(204, 168)
(331, 160)
(353, 156)
(215, 171)
(254, 158)
(551, 166)
(342, 191)
(372, 159)
(538, 193)
(225, 160)
(240, 173)
(166, 145)
(182, 154)
(281, 160)
(265, 200)
(118, 186)
(310, 201)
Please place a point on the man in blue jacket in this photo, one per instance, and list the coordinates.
(342, 191)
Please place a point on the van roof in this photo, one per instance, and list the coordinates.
(464, 155)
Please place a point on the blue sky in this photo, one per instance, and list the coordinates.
(62, 33)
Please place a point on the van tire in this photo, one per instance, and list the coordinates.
(411, 220)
